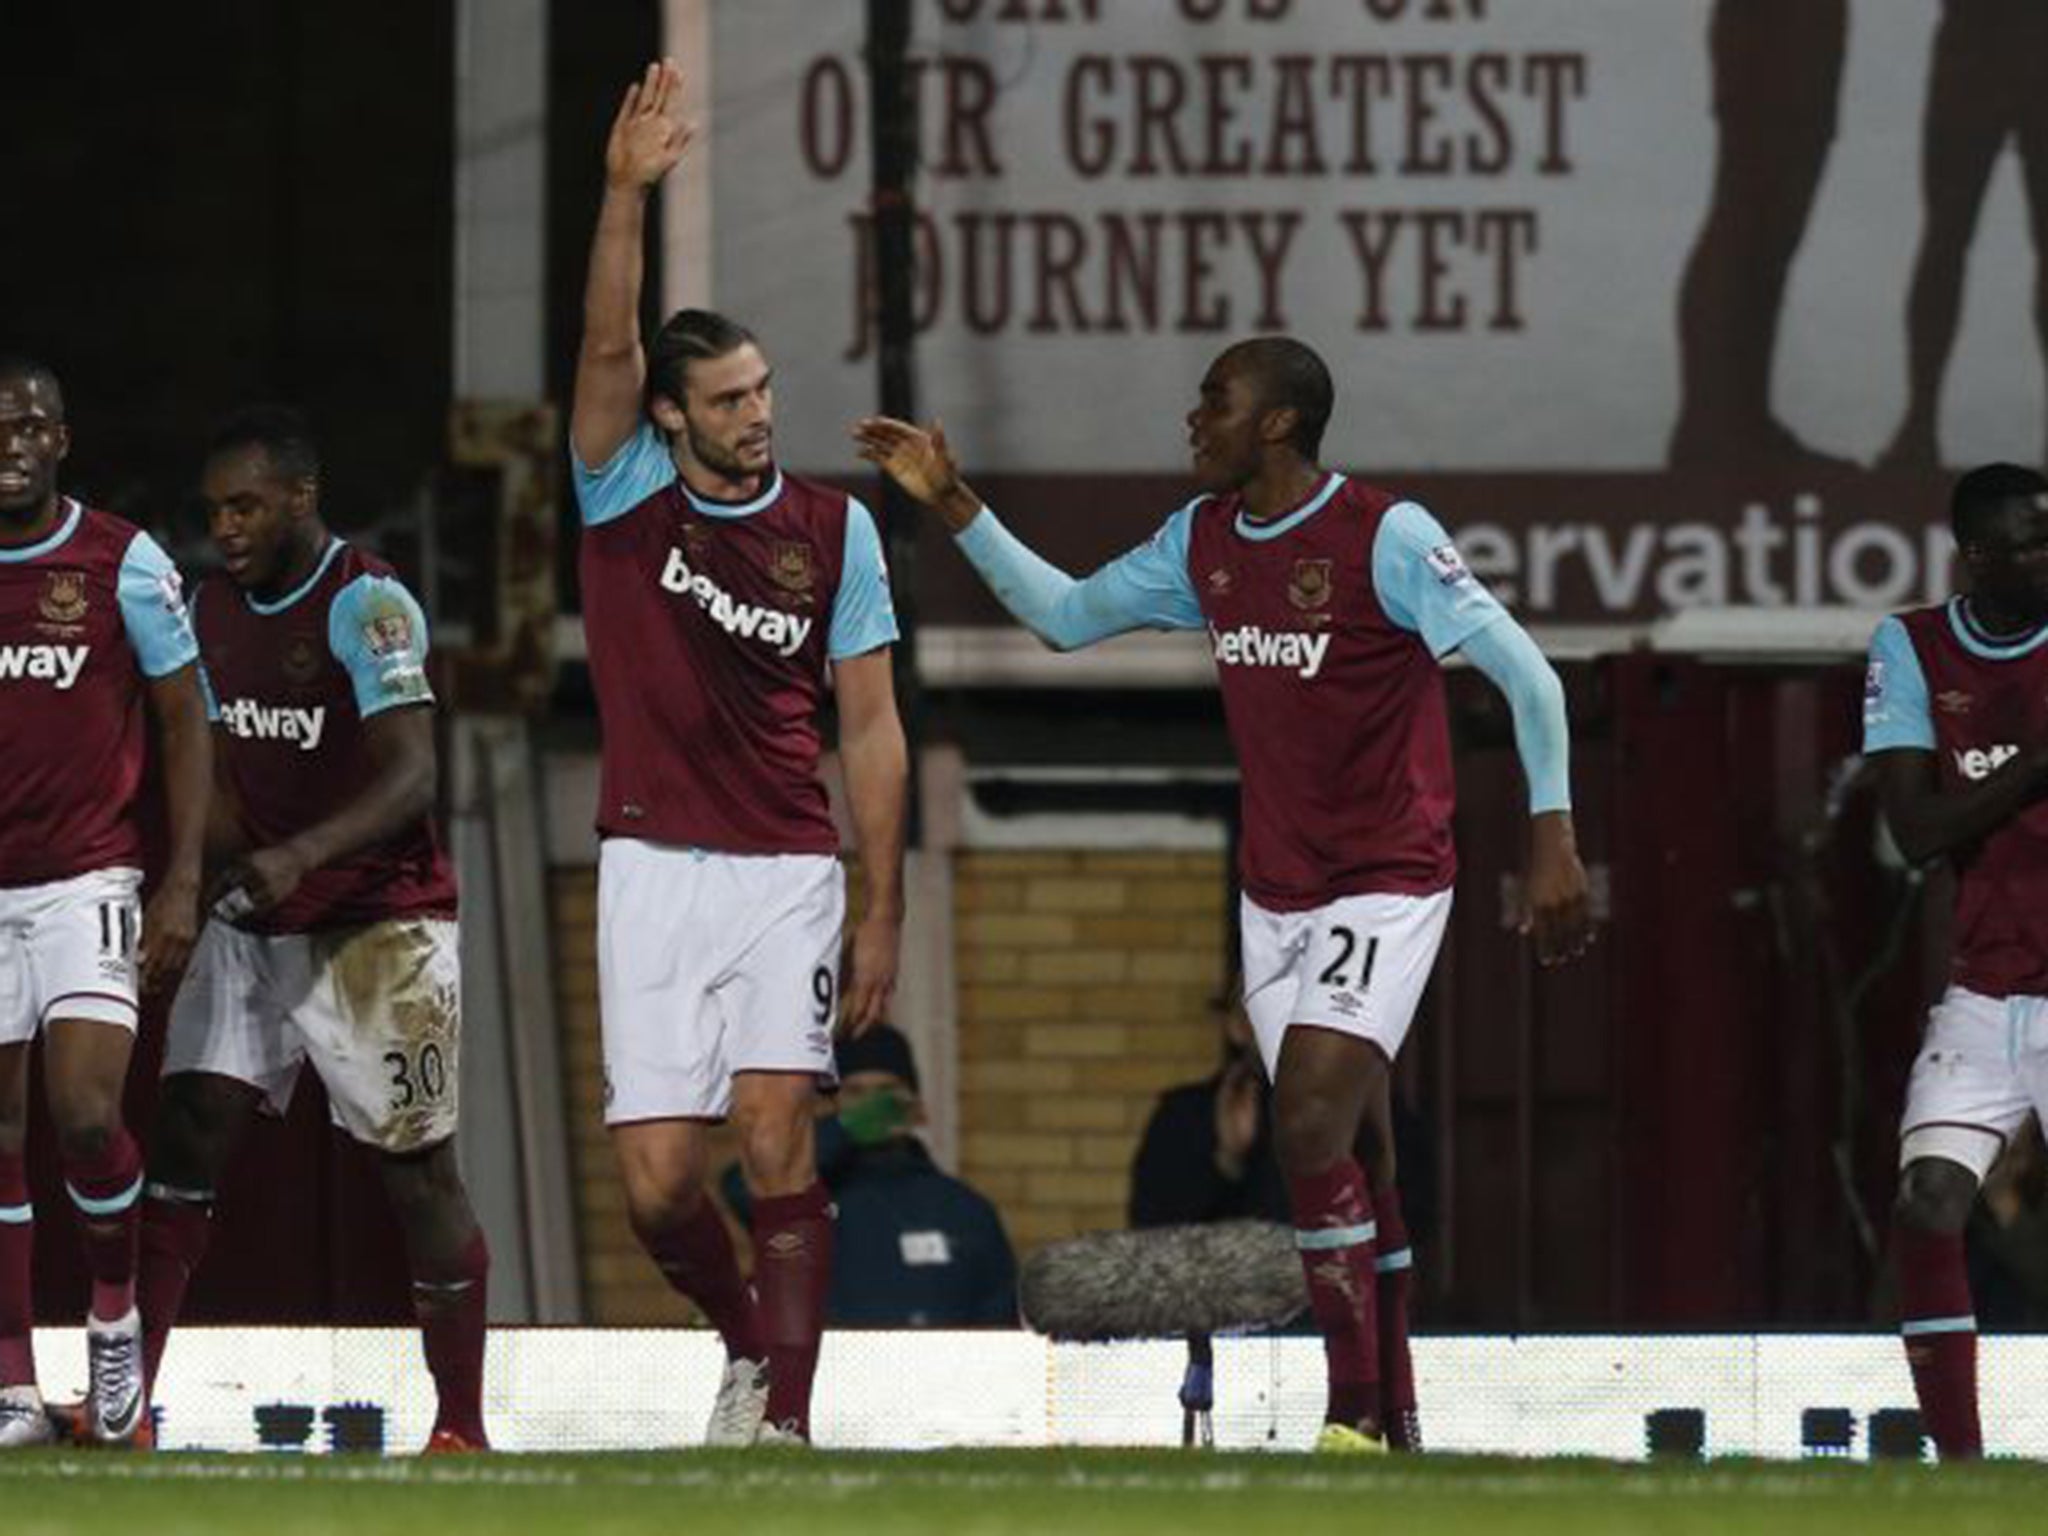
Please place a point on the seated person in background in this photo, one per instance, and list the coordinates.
(2007, 1239)
(914, 1247)
(1207, 1153)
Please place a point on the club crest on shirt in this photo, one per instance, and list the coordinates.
(299, 661)
(1312, 583)
(64, 601)
(1953, 701)
(789, 567)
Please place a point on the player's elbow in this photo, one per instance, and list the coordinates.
(414, 791)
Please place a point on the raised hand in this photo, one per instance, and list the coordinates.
(920, 460)
(649, 135)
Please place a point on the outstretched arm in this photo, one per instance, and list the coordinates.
(648, 138)
(1147, 588)
(1425, 587)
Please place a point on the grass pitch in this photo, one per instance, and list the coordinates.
(966, 1493)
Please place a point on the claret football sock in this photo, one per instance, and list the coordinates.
(17, 1245)
(792, 1274)
(107, 1190)
(1394, 1265)
(1938, 1326)
(453, 1310)
(176, 1227)
(1334, 1232)
(697, 1257)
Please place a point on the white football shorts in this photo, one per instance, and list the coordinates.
(1356, 965)
(67, 951)
(377, 1010)
(710, 964)
(1982, 1069)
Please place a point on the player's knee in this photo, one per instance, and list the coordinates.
(85, 1139)
(189, 1138)
(1309, 1133)
(776, 1150)
(653, 1214)
(1935, 1195)
(660, 1194)
(418, 1183)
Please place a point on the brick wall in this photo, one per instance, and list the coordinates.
(1084, 980)
(1084, 985)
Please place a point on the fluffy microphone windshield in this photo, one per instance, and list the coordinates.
(1161, 1281)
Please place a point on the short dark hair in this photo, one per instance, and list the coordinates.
(1288, 375)
(281, 431)
(690, 336)
(19, 365)
(1984, 490)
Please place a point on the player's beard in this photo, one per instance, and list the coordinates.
(715, 457)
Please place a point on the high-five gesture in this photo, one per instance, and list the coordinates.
(649, 135)
(920, 461)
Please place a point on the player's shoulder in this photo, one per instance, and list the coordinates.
(1369, 496)
(1925, 625)
(353, 563)
(816, 497)
(365, 591)
(1378, 506)
(105, 536)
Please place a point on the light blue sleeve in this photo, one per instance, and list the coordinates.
(1423, 584)
(378, 633)
(1896, 712)
(863, 613)
(153, 612)
(639, 468)
(1145, 588)
(1510, 659)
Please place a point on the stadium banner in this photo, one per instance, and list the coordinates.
(1621, 290)
(572, 1389)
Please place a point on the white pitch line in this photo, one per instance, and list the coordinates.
(505, 1473)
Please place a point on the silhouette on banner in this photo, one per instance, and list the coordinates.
(1777, 69)
(1985, 86)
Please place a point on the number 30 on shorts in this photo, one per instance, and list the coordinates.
(419, 1076)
